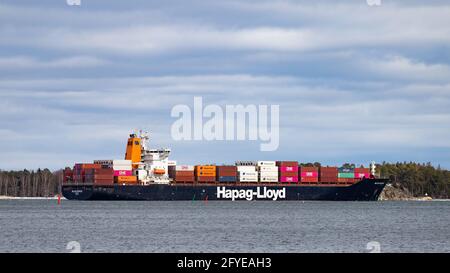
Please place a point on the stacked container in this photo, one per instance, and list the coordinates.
(205, 173)
(309, 174)
(346, 175)
(288, 171)
(99, 176)
(328, 175)
(67, 175)
(246, 171)
(123, 172)
(267, 171)
(361, 173)
(182, 173)
(226, 173)
(79, 171)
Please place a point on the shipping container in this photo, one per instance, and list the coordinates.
(347, 180)
(288, 174)
(328, 174)
(248, 179)
(309, 171)
(227, 171)
(227, 179)
(289, 179)
(123, 173)
(205, 170)
(80, 166)
(346, 175)
(289, 169)
(268, 169)
(271, 179)
(287, 163)
(346, 170)
(126, 179)
(247, 173)
(103, 182)
(199, 168)
(205, 179)
(266, 164)
(362, 173)
(246, 168)
(182, 167)
(185, 178)
(309, 174)
(309, 179)
(268, 173)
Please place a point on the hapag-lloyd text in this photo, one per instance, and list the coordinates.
(250, 194)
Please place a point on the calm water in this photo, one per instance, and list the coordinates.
(43, 226)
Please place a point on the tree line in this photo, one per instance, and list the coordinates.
(416, 178)
(39, 183)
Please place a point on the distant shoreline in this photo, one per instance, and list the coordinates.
(4, 197)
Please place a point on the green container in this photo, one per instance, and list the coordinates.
(346, 175)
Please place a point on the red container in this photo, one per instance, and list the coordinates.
(87, 166)
(67, 175)
(185, 178)
(287, 163)
(104, 182)
(226, 171)
(123, 173)
(205, 179)
(289, 179)
(288, 169)
(361, 173)
(288, 174)
(309, 174)
(309, 179)
(328, 174)
(347, 180)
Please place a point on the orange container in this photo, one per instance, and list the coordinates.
(126, 179)
(206, 173)
(205, 170)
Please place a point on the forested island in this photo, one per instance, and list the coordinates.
(413, 179)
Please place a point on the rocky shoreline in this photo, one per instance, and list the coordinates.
(391, 193)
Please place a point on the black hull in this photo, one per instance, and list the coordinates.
(365, 190)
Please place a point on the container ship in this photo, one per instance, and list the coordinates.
(148, 174)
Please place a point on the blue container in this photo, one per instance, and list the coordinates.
(227, 179)
(346, 170)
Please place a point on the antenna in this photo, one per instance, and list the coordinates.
(373, 168)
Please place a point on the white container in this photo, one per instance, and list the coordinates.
(268, 174)
(121, 162)
(184, 168)
(171, 163)
(266, 163)
(248, 179)
(268, 179)
(268, 169)
(248, 173)
(122, 168)
(246, 168)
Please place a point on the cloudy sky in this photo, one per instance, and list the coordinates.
(355, 83)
